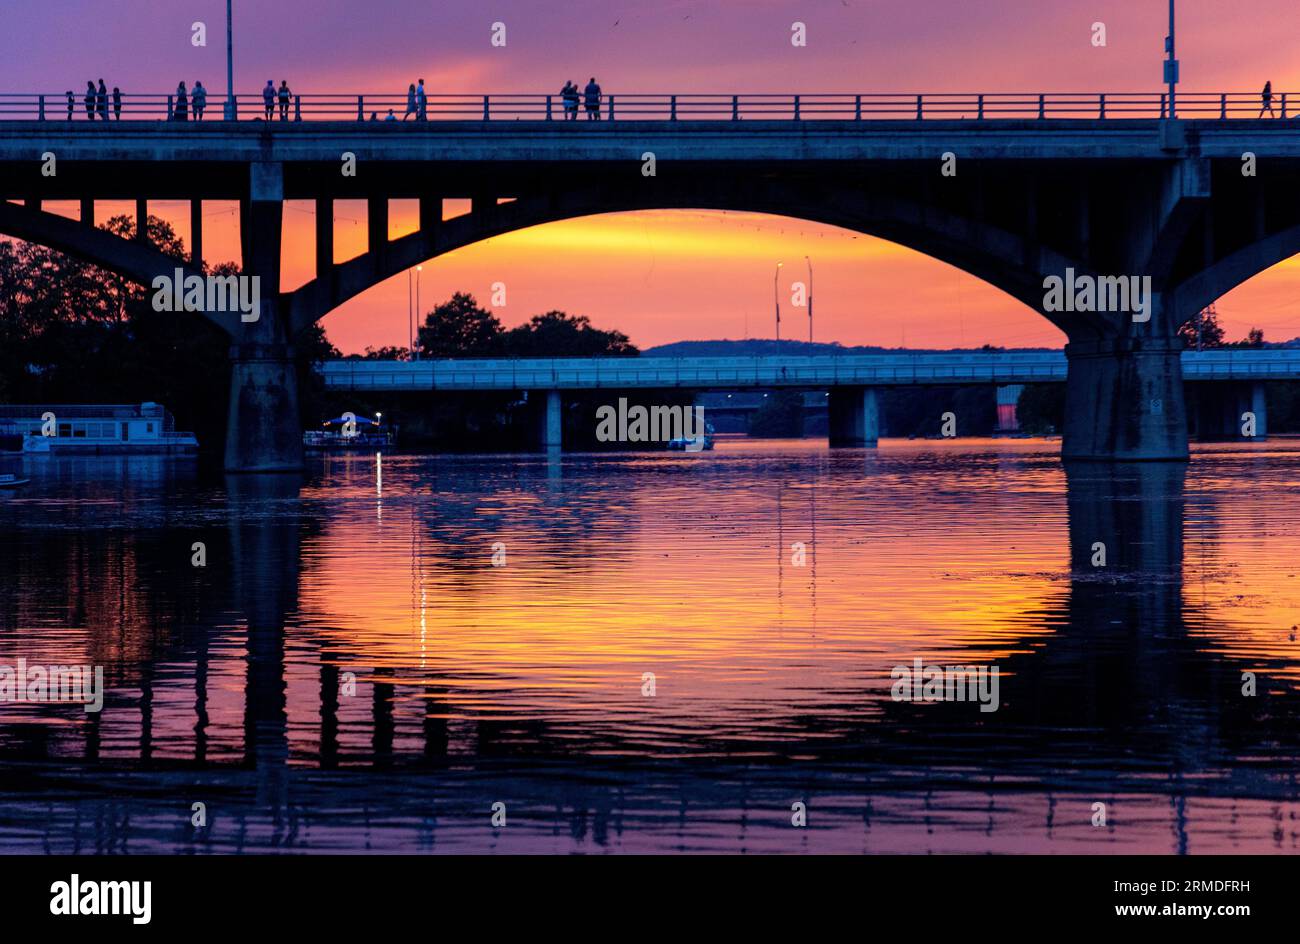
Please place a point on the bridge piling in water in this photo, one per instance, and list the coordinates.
(263, 428)
(853, 417)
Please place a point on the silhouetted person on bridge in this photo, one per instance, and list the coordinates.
(1266, 99)
(200, 96)
(285, 95)
(117, 103)
(72, 104)
(182, 112)
(102, 98)
(410, 101)
(592, 96)
(421, 103)
(569, 99)
(268, 99)
(89, 100)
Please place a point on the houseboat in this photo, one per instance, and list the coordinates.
(92, 429)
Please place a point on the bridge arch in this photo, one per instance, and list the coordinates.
(131, 259)
(999, 257)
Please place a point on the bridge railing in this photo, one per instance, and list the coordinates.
(663, 107)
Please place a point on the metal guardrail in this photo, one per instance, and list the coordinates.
(793, 371)
(665, 107)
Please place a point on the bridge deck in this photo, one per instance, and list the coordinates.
(579, 373)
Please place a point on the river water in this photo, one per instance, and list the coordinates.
(659, 652)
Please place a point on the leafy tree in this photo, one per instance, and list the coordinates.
(459, 328)
(557, 334)
(1210, 331)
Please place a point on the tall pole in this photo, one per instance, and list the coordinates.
(230, 65)
(776, 300)
(1171, 64)
(410, 318)
(418, 270)
(810, 298)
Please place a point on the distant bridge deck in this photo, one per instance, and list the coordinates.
(729, 373)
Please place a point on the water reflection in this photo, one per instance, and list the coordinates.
(338, 678)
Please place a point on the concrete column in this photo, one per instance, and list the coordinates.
(324, 236)
(1124, 400)
(196, 232)
(142, 221)
(853, 417)
(553, 421)
(377, 229)
(1259, 406)
(263, 429)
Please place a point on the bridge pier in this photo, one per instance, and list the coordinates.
(1124, 400)
(263, 427)
(551, 422)
(853, 417)
(1221, 410)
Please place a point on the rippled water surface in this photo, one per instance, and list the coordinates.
(374, 657)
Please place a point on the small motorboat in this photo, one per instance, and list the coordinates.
(12, 481)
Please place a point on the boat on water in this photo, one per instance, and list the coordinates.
(53, 429)
(12, 481)
(692, 443)
(349, 433)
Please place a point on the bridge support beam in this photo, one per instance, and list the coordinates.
(1124, 400)
(853, 417)
(551, 422)
(263, 429)
(1230, 411)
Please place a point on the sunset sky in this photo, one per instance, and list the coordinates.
(666, 276)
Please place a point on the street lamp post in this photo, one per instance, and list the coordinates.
(1171, 63)
(230, 65)
(410, 317)
(810, 298)
(776, 300)
(415, 353)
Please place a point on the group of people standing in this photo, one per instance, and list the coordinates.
(96, 102)
(198, 98)
(590, 97)
(271, 95)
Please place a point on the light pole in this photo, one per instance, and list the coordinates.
(410, 317)
(776, 300)
(810, 298)
(1171, 64)
(230, 65)
(414, 351)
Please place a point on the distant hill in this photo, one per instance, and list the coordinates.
(759, 347)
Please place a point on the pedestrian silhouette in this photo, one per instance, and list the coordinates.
(410, 101)
(117, 103)
(200, 97)
(592, 95)
(182, 104)
(285, 95)
(268, 98)
(1266, 99)
(89, 100)
(102, 97)
(391, 116)
(421, 103)
(72, 104)
(569, 96)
